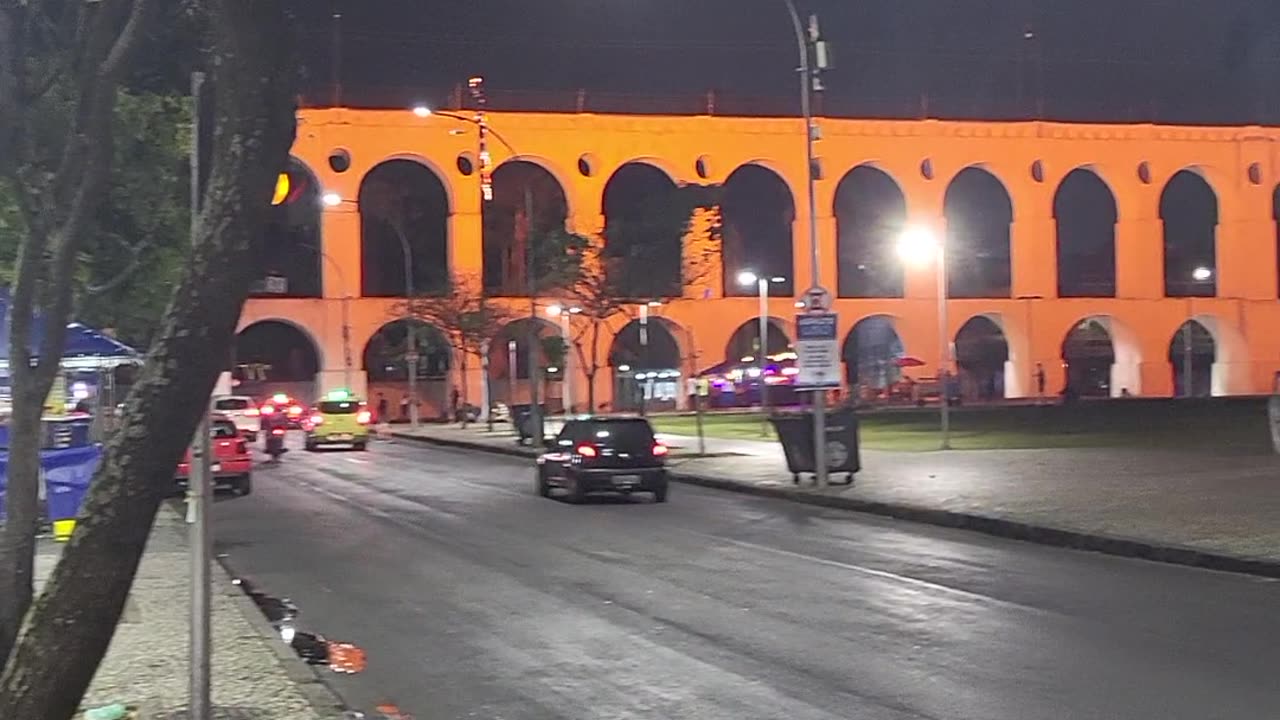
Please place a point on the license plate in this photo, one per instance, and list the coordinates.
(624, 480)
(344, 437)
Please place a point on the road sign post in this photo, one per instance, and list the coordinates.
(818, 360)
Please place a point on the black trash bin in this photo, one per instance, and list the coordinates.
(521, 417)
(795, 432)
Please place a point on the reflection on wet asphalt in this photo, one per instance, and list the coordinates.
(474, 598)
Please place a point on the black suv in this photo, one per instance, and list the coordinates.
(604, 454)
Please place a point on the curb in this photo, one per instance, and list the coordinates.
(987, 525)
(326, 701)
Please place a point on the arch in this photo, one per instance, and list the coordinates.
(1193, 351)
(500, 371)
(529, 208)
(645, 359)
(1189, 211)
(275, 355)
(1102, 357)
(979, 213)
(1085, 213)
(870, 211)
(385, 355)
(871, 353)
(758, 212)
(981, 351)
(291, 248)
(745, 339)
(403, 203)
(644, 231)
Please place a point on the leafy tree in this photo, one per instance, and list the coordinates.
(467, 317)
(65, 637)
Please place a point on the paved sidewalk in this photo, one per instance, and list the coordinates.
(254, 677)
(1186, 507)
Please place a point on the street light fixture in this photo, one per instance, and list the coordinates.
(920, 246)
(1201, 274)
(747, 278)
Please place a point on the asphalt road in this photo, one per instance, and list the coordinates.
(476, 599)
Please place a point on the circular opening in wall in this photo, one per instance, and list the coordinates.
(926, 169)
(466, 163)
(1037, 171)
(1255, 174)
(339, 160)
(702, 166)
(587, 165)
(1144, 172)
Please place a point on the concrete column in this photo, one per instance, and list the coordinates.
(330, 379)
(340, 242)
(466, 244)
(1033, 257)
(1140, 259)
(1157, 378)
(1247, 258)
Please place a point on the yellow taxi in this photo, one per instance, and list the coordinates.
(338, 419)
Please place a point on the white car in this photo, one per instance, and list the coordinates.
(243, 411)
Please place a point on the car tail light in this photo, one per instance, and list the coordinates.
(251, 412)
(317, 419)
(268, 410)
(586, 450)
(277, 431)
(659, 450)
(364, 417)
(295, 410)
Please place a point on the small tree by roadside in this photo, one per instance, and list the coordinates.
(468, 318)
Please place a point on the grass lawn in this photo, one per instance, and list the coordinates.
(1235, 426)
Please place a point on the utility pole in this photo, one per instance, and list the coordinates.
(535, 352)
(199, 482)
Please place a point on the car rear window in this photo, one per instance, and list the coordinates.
(622, 433)
(336, 407)
(232, 404)
(224, 429)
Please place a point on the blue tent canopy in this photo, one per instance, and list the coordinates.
(83, 342)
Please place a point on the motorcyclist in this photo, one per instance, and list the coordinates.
(274, 425)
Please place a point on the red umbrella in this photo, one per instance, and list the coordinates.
(907, 362)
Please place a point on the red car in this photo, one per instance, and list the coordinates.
(232, 458)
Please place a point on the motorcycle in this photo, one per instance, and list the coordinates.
(275, 444)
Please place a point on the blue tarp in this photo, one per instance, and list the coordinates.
(82, 341)
(67, 474)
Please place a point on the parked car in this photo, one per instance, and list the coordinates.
(243, 411)
(604, 454)
(232, 461)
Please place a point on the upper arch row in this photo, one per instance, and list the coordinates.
(1014, 187)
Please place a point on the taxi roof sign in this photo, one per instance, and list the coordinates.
(338, 395)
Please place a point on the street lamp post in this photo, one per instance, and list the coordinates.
(811, 80)
(644, 352)
(411, 335)
(564, 313)
(917, 246)
(747, 278)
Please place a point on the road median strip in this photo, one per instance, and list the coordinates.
(999, 527)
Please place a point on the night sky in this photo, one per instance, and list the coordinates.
(1130, 60)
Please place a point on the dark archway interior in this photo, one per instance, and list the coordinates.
(654, 349)
(644, 237)
(1089, 354)
(1085, 213)
(403, 199)
(386, 354)
(871, 351)
(758, 213)
(746, 339)
(528, 204)
(981, 352)
(290, 252)
(519, 331)
(1192, 352)
(1189, 209)
(274, 351)
(979, 213)
(870, 214)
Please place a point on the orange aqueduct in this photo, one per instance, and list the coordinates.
(1113, 259)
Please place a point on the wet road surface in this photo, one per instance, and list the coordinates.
(474, 598)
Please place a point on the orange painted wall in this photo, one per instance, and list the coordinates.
(1244, 318)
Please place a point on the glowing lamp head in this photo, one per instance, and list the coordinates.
(332, 199)
(421, 111)
(918, 245)
(746, 277)
(1201, 274)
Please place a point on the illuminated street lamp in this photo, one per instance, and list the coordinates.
(1201, 274)
(747, 278)
(919, 246)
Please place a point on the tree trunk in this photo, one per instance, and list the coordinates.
(18, 537)
(71, 625)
